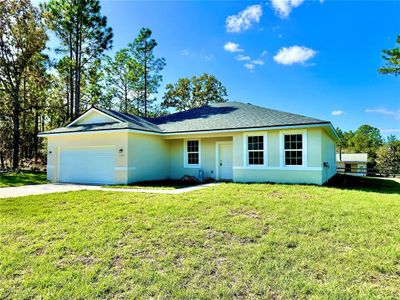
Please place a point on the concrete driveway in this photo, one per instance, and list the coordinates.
(49, 188)
(39, 189)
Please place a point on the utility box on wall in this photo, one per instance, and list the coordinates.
(201, 175)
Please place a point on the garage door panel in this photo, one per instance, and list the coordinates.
(87, 165)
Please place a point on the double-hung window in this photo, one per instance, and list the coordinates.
(192, 153)
(293, 144)
(255, 150)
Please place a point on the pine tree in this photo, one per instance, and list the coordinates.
(150, 79)
(392, 58)
(84, 37)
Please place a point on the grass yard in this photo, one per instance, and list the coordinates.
(18, 179)
(155, 185)
(229, 241)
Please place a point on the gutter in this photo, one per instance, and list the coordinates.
(323, 124)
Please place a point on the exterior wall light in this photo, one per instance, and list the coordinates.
(50, 152)
(121, 150)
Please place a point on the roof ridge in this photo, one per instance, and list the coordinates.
(106, 111)
(129, 118)
(179, 112)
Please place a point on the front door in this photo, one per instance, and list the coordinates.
(225, 162)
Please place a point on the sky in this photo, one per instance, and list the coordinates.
(314, 58)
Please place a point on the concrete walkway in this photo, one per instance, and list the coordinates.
(176, 191)
(27, 190)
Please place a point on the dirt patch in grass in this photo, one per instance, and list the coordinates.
(305, 196)
(228, 237)
(84, 259)
(252, 214)
(275, 194)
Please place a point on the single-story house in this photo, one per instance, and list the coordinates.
(352, 163)
(226, 141)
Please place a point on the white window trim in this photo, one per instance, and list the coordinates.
(282, 134)
(185, 154)
(246, 152)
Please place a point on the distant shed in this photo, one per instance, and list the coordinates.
(352, 163)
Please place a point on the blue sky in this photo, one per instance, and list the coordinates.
(316, 58)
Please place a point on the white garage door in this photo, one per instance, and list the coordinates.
(87, 165)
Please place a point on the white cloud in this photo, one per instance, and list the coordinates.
(185, 52)
(384, 111)
(241, 57)
(337, 112)
(397, 130)
(232, 47)
(280, 36)
(258, 61)
(244, 19)
(249, 66)
(264, 53)
(283, 8)
(207, 57)
(295, 54)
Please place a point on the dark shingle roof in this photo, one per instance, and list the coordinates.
(220, 116)
(229, 115)
(132, 121)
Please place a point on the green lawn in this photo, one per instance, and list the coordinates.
(155, 185)
(18, 179)
(229, 241)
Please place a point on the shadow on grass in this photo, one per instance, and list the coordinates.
(158, 184)
(366, 184)
(19, 179)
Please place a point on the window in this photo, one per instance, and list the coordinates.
(293, 149)
(255, 149)
(192, 151)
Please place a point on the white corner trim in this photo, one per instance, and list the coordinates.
(89, 111)
(244, 143)
(185, 155)
(124, 168)
(246, 152)
(50, 167)
(282, 133)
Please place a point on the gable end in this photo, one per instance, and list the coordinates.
(94, 116)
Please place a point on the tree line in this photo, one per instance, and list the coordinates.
(383, 155)
(43, 88)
